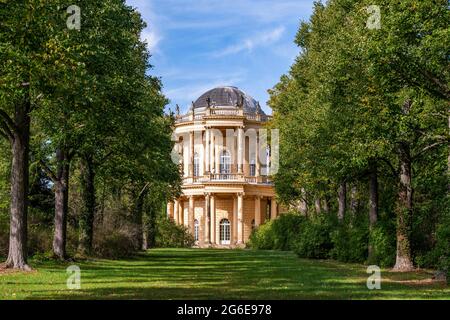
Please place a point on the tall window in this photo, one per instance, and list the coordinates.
(252, 168)
(225, 231)
(225, 162)
(253, 224)
(196, 230)
(196, 165)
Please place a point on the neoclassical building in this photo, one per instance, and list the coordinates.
(225, 166)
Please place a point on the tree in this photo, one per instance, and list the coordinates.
(26, 34)
(353, 105)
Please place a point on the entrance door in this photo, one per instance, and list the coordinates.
(225, 232)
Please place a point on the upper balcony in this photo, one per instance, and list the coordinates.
(248, 176)
(227, 178)
(222, 113)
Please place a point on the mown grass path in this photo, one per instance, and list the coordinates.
(216, 274)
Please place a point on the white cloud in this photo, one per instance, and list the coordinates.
(249, 44)
(151, 34)
(152, 38)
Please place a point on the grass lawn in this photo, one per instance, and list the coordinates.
(216, 274)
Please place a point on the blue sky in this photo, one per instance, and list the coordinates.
(197, 45)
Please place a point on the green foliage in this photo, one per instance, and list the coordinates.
(358, 98)
(114, 245)
(278, 234)
(314, 240)
(263, 237)
(171, 235)
(350, 241)
(323, 237)
(382, 238)
(93, 98)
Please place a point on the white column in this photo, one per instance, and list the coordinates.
(211, 151)
(235, 220)
(213, 219)
(273, 208)
(206, 216)
(240, 149)
(217, 156)
(257, 211)
(207, 152)
(191, 214)
(176, 210)
(257, 164)
(170, 210)
(191, 153)
(181, 214)
(240, 212)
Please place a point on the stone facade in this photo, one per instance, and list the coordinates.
(225, 169)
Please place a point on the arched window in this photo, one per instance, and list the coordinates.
(196, 230)
(252, 168)
(225, 162)
(225, 231)
(196, 165)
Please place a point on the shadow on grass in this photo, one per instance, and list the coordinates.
(218, 274)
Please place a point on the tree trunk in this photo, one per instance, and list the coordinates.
(342, 200)
(373, 206)
(144, 239)
(326, 204)
(303, 204)
(17, 256)
(151, 228)
(354, 203)
(86, 222)
(61, 205)
(317, 206)
(404, 211)
(138, 216)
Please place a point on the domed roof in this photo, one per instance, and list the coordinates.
(227, 97)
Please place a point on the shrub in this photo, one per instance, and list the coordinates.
(171, 235)
(285, 230)
(114, 237)
(114, 245)
(314, 240)
(40, 239)
(383, 241)
(279, 234)
(4, 233)
(263, 237)
(439, 257)
(350, 240)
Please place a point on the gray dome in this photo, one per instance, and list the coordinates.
(227, 97)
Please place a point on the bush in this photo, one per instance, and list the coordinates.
(286, 228)
(40, 238)
(115, 238)
(279, 234)
(350, 240)
(314, 240)
(439, 257)
(263, 237)
(114, 245)
(4, 234)
(383, 241)
(171, 235)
